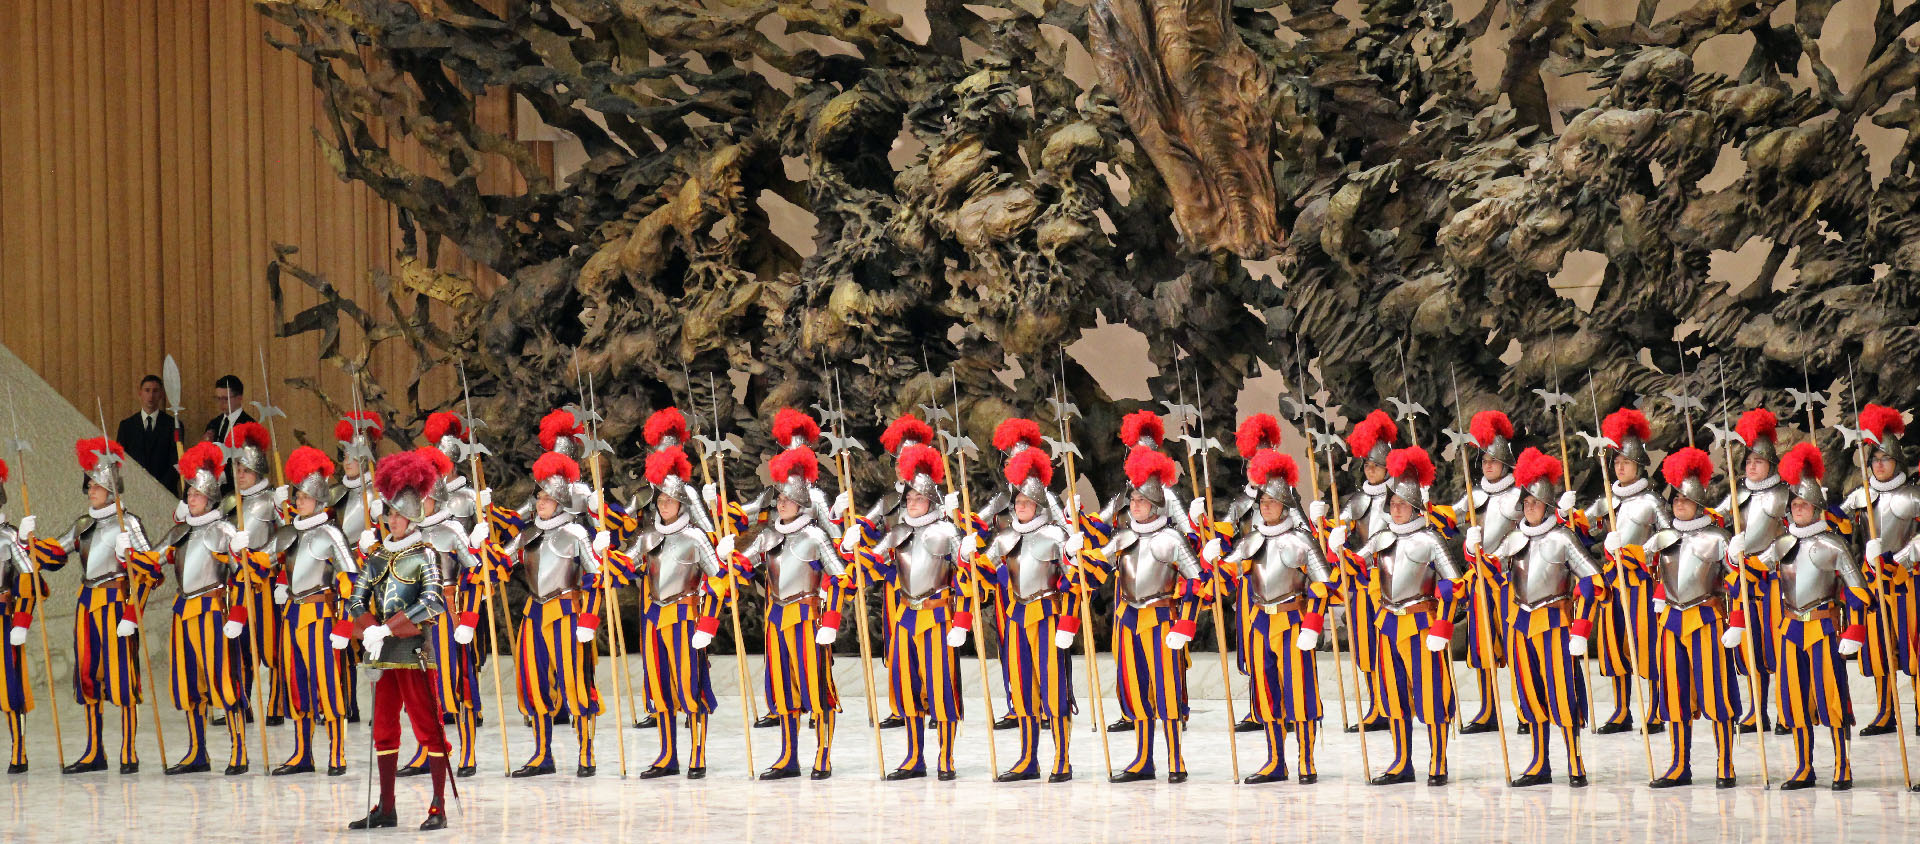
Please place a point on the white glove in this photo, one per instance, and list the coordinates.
(601, 542)
(1436, 644)
(1614, 542)
(180, 512)
(842, 501)
(826, 635)
(1307, 640)
(376, 508)
(368, 540)
(126, 628)
(956, 636)
(338, 643)
(1211, 551)
(724, 548)
(483, 499)
(1849, 647)
(950, 502)
(233, 629)
(595, 502)
(1475, 535)
(1075, 541)
(1567, 500)
(1073, 506)
(1337, 538)
(1576, 646)
(28, 524)
(1731, 638)
(584, 635)
(1737, 548)
(481, 532)
(1178, 641)
(1875, 548)
(374, 636)
(122, 546)
(709, 493)
(1659, 605)
(1196, 510)
(281, 494)
(17, 636)
(701, 639)
(280, 593)
(463, 634)
(1061, 639)
(851, 539)
(1316, 510)
(238, 542)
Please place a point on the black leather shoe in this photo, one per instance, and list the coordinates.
(376, 819)
(696, 773)
(647, 723)
(1656, 728)
(1018, 776)
(336, 770)
(1525, 729)
(766, 721)
(1781, 730)
(892, 722)
(436, 819)
(1875, 730)
(1725, 782)
(284, 770)
(1177, 777)
(821, 774)
(905, 774)
(1614, 727)
(1843, 785)
(1748, 728)
(1436, 779)
(1392, 779)
(1477, 728)
(277, 720)
(17, 768)
(532, 771)
(128, 768)
(657, 771)
(411, 771)
(1672, 782)
(1796, 785)
(1131, 776)
(1577, 781)
(1262, 779)
(1065, 776)
(199, 767)
(780, 773)
(1247, 725)
(465, 771)
(946, 776)
(85, 767)
(235, 770)
(584, 771)
(1007, 723)
(218, 719)
(1121, 726)
(1528, 780)
(1309, 779)
(563, 717)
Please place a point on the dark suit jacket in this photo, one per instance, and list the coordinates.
(217, 429)
(153, 450)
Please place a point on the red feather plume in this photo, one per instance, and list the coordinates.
(1534, 465)
(442, 464)
(557, 424)
(1488, 424)
(249, 433)
(343, 429)
(1017, 430)
(1756, 423)
(1268, 464)
(1802, 460)
(790, 423)
(1260, 431)
(794, 461)
(1139, 424)
(1687, 463)
(1144, 464)
(668, 461)
(909, 427)
(665, 422)
(442, 424)
(1032, 463)
(202, 455)
(921, 460)
(1623, 423)
(1413, 460)
(87, 451)
(554, 463)
(1883, 421)
(402, 472)
(1378, 427)
(3, 471)
(307, 460)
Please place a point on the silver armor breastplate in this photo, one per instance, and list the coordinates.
(194, 561)
(1034, 565)
(923, 559)
(677, 562)
(352, 512)
(460, 505)
(553, 558)
(1692, 564)
(789, 558)
(1641, 515)
(260, 521)
(1543, 568)
(1895, 511)
(1367, 514)
(449, 543)
(94, 539)
(1150, 566)
(1763, 515)
(1812, 569)
(313, 556)
(1281, 565)
(1498, 517)
(1411, 564)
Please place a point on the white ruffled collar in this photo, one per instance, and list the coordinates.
(1414, 525)
(1496, 487)
(1149, 526)
(1762, 485)
(799, 522)
(353, 482)
(254, 490)
(1039, 521)
(1371, 488)
(921, 520)
(435, 518)
(1621, 490)
(397, 544)
(1545, 527)
(1819, 526)
(1695, 523)
(1287, 523)
(456, 482)
(1889, 485)
(203, 519)
(558, 519)
(670, 528)
(110, 511)
(310, 522)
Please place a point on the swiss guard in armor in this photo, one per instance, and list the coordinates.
(1642, 513)
(1012, 437)
(1155, 570)
(257, 516)
(318, 567)
(1693, 653)
(1496, 501)
(396, 595)
(359, 434)
(1255, 436)
(453, 537)
(1412, 570)
(1552, 582)
(1763, 511)
(206, 553)
(901, 434)
(1032, 559)
(1896, 504)
(805, 583)
(675, 555)
(1284, 585)
(1816, 575)
(106, 636)
(1364, 516)
(20, 594)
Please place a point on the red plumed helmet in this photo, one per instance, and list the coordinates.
(88, 452)
(442, 424)
(557, 424)
(200, 456)
(3, 471)
(1883, 422)
(790, 423)
(908, 428)
(794, 461)
(406, 471)
(343, 429)
(1488, 424)
(551, 464)
(1139, 425)
(1688, 463)
(1376, 429)
(1623, 423)
(1260, 431)
(442, 464)
(1017, 430)
(307, 460)
(1803, 461)
(1271, 464)
(1145, 464)
(1757, 424)
(1032, 463)
(921, 460)
(1535, 465)
(665, 422)
(668, 461)
(1411, 463)
(250, 434)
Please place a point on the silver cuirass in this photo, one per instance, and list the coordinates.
(1692, 564)
(1642, 513)
(1151, 563)
(554, 557)
(1410, 562)
(677, 557)
(260, 519)
(1542, 567)
(1763, 514)
(449, 540)
(350, 508)
(194, 557)
(1283, 560)
(93, 539)
(1895, 507)
(923, 558)
(460, 505)
(1498, 511)
(15, 562)
(1812, 570)
(313, 557)
(789, 559)
(1366, 512)
(1032, 557)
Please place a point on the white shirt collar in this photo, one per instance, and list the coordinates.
(672, 527)
(798, 522)
(1545, 527)
(1149, 526)
(233, 416)
(108, 511)
(1417, 523)
(255, 489)
(1621, 490)
(352, 483)
(558, 519)
(204, 519)
(1896, 482)
(309, 522)
(1040, 520)
(923, 519)
(1371, 488)
(1819, 526)
(1496, 487)
(402, 543)
(1287, 523)
(1769, 482)
(1695, 523)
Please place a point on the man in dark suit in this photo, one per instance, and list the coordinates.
(148, 434)
(229, 397)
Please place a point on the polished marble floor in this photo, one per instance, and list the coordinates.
(855, 805)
